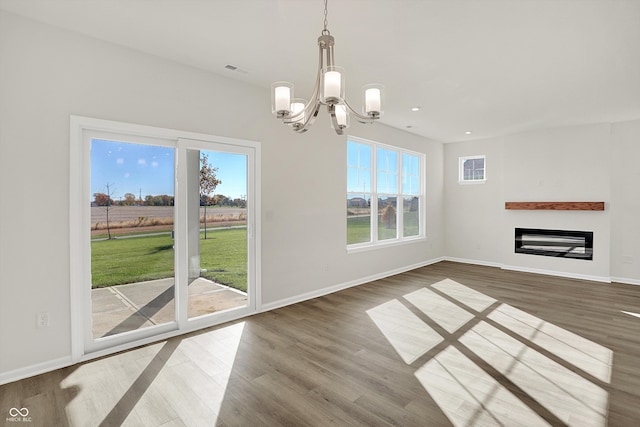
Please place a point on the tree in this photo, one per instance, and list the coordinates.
(389, 216)
(208, 183)
(102, 199)
(105, 200)
(129, 199)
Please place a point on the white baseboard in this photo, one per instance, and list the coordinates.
(33, 370)
(473, 261)
(625, 281)
(341, 286)
(603, 279)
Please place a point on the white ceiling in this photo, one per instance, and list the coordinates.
(492, 67)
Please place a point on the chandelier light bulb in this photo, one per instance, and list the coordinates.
(373, 100)
(281, 94)
(297, 111)
(342, 117)
(333, 87)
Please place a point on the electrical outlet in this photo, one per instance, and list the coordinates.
(42, 320)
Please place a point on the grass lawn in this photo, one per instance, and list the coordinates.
(359, 228)
(120, 261)
(224, 256)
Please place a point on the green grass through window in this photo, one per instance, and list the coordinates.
(115, 262)
(359, 228)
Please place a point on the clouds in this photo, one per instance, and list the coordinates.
(132, 167)
(143, 162)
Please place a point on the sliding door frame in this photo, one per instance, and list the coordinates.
(83, 346)
(185, 144)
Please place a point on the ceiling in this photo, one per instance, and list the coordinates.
(490, 67)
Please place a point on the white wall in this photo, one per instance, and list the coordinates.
(474, 211)
(625, 202)
(580, 163)
(47, 74)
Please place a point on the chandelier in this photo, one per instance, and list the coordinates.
(328, 90)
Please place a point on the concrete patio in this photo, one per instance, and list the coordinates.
(133, 306)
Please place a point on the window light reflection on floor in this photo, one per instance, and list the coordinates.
(447, 314)
(560, 372)
(631, 313)
(570, 397)
(469, 396)
(591, 357)
(147, 372)
(408, 335)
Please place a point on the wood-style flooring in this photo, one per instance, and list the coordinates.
(447, 344)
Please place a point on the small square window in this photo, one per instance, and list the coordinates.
(472, 169)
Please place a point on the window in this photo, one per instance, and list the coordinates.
(388, 181)
(472, 169)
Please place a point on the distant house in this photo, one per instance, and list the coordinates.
(357, 202)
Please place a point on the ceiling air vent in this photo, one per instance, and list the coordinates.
(236, 69)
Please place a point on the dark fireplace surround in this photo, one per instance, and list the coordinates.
(555, 243)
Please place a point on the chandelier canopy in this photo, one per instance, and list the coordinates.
(328, 90)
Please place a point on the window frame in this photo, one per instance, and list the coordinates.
(374, 241)
(462, 160)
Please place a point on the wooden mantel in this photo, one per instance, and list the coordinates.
(555, 206)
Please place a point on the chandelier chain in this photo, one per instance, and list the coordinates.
(325, 31)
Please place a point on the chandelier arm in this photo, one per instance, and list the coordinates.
(307, 112)
(312, 107)
(303, 127)
(330, 59)
(315, 95)
(359, 117)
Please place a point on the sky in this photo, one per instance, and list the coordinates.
(149, 170)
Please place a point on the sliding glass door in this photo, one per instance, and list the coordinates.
(217, 239)
(132, 229)
(167, 241)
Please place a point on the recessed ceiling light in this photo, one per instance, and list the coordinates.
(415, 109)
(468, 132)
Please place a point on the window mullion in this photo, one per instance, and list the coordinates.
(181, 234)
(399, 200)
(373, 218)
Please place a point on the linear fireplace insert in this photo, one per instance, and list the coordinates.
(556, 243)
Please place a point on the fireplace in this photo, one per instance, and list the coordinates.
(556, 243)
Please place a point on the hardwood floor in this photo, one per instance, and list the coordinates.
(447, 344)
